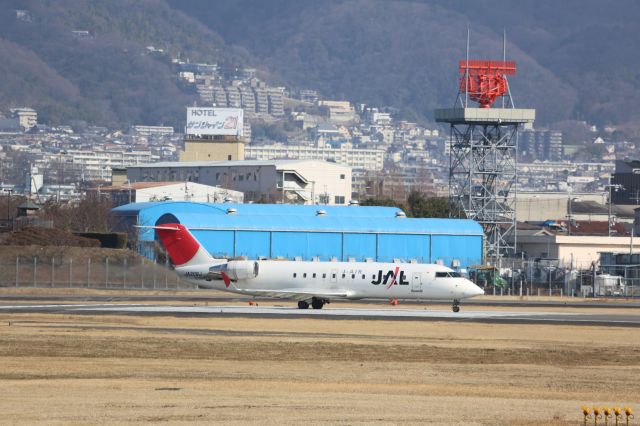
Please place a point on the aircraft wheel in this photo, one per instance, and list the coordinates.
(317, 303)
(455, 308)
(303, 305)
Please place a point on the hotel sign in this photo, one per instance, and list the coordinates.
(215, 121)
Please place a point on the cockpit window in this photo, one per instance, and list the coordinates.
(448, 275)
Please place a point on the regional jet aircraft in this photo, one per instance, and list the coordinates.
(312, 283)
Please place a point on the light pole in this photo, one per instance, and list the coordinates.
(9, 191)
(611, 187)
(129, 186)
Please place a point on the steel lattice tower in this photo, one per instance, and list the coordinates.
(483, 147)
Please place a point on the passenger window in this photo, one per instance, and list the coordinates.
(294, 275)
(353, 276)
(343, 275)
(363, 276)
(324, 275)
(314, 275)
(304, 275)
(333, 276)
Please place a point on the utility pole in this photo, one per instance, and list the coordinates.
(611, 187)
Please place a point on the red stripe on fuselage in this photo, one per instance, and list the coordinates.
(179, 243)
(395, 276)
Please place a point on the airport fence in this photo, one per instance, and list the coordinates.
(104, 273)
(549, 277)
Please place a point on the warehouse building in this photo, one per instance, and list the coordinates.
(286, 181)
(299, 232)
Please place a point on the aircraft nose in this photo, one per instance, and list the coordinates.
(472, 290)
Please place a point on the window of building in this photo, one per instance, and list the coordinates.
(229, 157)
(342, 176)
(339, 199)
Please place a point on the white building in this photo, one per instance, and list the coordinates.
(288, 181)
(93, 165)
(366, 159)
(139, 192)
(339, 111)
(27, 117)
(153, 130)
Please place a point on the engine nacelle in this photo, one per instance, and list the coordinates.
(242, 269)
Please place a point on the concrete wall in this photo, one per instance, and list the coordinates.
(579, 250)
(209, 150)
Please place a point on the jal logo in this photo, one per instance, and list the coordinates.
(390, 278)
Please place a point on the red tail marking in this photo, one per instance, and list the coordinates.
(226, 279)
(179, 243)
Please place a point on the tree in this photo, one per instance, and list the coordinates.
(422, 206)
(386, 202)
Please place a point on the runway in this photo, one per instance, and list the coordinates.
(468, 314)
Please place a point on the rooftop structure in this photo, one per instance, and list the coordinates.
(482, 159)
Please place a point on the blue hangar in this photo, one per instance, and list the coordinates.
(308, 232)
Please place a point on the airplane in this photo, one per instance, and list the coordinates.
(312, 283)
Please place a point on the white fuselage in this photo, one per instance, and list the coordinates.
(357, 279)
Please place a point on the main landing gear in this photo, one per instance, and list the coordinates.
(456, 306)
(315, 303)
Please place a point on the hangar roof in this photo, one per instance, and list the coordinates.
(258, 209)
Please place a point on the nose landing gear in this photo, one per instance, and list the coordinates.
(456, 306)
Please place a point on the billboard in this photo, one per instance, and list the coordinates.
(214, 121)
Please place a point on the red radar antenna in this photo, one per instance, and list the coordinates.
(485, 81)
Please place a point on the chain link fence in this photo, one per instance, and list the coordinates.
(549, 277)
(102, 273)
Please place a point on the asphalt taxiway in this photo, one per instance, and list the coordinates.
(469, 314)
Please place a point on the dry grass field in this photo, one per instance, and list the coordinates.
(66, 369)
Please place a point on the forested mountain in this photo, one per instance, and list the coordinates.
(577, 58)
(107, 77)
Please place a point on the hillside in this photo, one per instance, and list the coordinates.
(108, 77)
(576, 58)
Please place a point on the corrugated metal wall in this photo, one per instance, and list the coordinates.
(343, 233)
(467, 249)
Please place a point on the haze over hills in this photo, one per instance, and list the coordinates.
(576, 58)
(107, 77)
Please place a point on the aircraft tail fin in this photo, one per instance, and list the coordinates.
(181, 245)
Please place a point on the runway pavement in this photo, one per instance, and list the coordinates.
(521, 316)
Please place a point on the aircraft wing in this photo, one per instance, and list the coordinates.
(298, 293)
